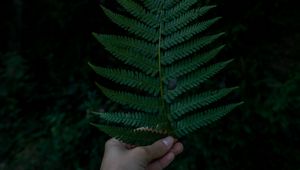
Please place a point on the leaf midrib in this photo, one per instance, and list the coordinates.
(166, 117)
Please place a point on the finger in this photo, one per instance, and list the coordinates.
(162, 163)
(114, 143)
(158, 149)
(177, 148)
(165, 161)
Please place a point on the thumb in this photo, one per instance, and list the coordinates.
(159, 148)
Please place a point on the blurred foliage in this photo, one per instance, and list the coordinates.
(47, 87)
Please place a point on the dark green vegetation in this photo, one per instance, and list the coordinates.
(169, 56)
(46, 87)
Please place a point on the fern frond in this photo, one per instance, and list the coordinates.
(139, 12)
(164, 52)
(132, 136)
(179, 9)
(129, 78)
(133, 26)
(187, 33)
(198, 101)
(199, 120)
(194, 79)
(147, 104)
(190, 64)
(182, 21)
(131, 119)
(136, 45)
(187, 49)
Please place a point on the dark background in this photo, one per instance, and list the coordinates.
(47, 87)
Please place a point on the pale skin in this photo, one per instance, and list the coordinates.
(119, 156)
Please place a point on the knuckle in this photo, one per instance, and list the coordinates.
(142, 150)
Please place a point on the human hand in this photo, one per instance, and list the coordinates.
(119, 156)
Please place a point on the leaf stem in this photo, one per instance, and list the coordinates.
(163, 111)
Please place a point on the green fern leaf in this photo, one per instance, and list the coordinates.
(187, 49)
(128, 56)
(171, 3)
(147, 104)
(179, 9)
(131, 119)
(135, 45)
(130, 78)
(139, 12)
(152, 5)
(164, 53)
(187, 33)
(133, 26)
(190, 64)
(182, 21)
(194, 79)
(199, 120)
(198, 101)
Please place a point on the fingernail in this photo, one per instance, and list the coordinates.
(168, 141)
